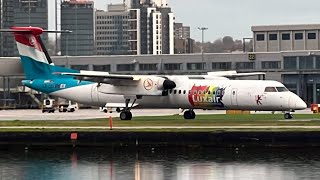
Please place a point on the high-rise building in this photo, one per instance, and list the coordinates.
(134, 31)
(183, 42)
(111, 30)
(151, 29)
(181, 32)
(167, 24)
(21, 13)
(78, 17)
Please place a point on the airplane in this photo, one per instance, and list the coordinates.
(124, 92)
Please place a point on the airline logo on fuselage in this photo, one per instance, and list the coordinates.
(148, 84)
(206, 96)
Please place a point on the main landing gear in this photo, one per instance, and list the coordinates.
(190, 114)
(125, 113)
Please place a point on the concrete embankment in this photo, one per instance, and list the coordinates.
(156, 139)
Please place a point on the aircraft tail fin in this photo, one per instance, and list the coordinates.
(35, 58)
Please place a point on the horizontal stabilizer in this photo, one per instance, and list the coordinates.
(28, 31)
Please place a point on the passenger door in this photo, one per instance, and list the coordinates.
(234, 101)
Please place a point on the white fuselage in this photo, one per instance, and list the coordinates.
(193, 94)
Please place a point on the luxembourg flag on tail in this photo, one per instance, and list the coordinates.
(35, 58)
(29, 43)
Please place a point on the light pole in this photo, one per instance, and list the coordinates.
(202, 29)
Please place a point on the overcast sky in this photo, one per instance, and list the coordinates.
(235, 17)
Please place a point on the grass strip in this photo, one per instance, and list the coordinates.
(175, 120)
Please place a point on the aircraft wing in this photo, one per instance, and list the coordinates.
(233, 74)
(101, 77)
(244, 74)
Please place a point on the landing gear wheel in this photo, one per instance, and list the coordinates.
(189, 114)
(125, 115)
(288, 116)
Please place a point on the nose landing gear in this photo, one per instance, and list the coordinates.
(288, 115)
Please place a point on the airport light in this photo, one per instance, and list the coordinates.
(202, 29)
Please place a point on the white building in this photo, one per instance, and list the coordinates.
(151, 30)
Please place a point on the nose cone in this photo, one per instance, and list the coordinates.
(300, 104)
(296, 103)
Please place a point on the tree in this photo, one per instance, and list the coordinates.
(228, 43)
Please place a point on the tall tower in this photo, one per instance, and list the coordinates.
(78, 17)
(21, 13)
(151, 28)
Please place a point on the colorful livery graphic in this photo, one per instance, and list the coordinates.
(206, 96)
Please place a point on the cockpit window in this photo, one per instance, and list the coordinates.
(270, 89)
(282, 89)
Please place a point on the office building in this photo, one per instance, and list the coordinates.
(21, 13)
(78, 17)
(183, 44)
(181, 31)
(111, 30)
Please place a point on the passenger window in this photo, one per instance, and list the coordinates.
(179, 91)
(194, 92)
(209, 92)
(204, 92)
(270, 89)
(199, 92)
(175, 92)
(184, 92)
(282, 89)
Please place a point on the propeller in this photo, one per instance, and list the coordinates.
(167, 84)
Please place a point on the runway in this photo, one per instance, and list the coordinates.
(95, 113)
(87, 114)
